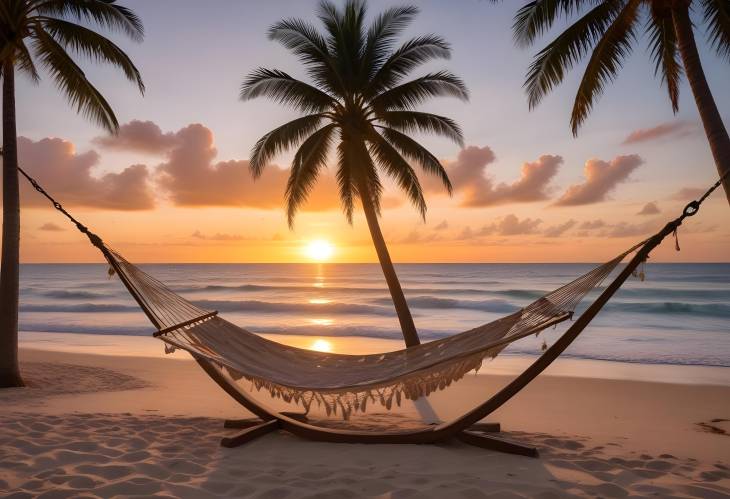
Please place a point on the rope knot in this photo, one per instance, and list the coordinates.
(691, 209)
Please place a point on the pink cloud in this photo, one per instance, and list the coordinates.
(51, 227)
(138, 136)
(649, 209)
(601, 178)
(468, 176)
(675, 130)
(192, 178)
(559, 229)
(68, 176)
(688, 193)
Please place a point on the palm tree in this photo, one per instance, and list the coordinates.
(360, 102)
(607, 31)
(43, 33)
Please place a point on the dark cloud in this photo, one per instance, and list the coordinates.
(68, 176)
(442, 226)
(601, 178)
(665, 130)
(468, 176)
(649, 209)
(138, 136)
(415, 237)
(51, 227)
(192, 178)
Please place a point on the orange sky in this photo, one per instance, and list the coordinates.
(174, 185)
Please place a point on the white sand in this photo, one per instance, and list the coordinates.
(106, 426)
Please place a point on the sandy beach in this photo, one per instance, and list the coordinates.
(114, 425)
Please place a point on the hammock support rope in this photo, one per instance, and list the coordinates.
(347, 384)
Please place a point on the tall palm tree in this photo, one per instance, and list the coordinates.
(607, 31)
(360, 102)
(44, 33)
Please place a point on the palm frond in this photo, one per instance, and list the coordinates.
(302, 39)
(382, 34)
(537, 17)
(280, 139)
(412, 121)
(664, 50)
(605, 62)
(286, 90)
(390, 161)
(345, 181)
(25, 62)
(92, 45)
(309, 159)
(717, 17)
(406, 58)
(550, 64)
(418, 154)
(105, 13)
(73, 82)
(414, 92)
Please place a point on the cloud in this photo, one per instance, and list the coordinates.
(560, 229)
(688, 193)
(138, 136)
(649, 209)
(601, 178)
(416, 237)
(442, 226)
(192, 178)
(625, 229)
(68, 177)
(51, 227)
(217, 236)
(513, 226)
(592, 224)
(664, 130)
(467, 174)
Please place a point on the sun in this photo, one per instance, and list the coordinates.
(320, 250)
(321, 345)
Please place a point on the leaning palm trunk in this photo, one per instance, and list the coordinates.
(391, 278)
(9, 369)
(715, 130)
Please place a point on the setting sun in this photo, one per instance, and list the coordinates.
(321, 345)
(319, 250)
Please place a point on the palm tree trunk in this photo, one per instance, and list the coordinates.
(712, 122)
(410, 335)
(9, 267)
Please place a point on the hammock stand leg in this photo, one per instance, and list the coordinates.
(496, 443)
(249, 422)
(251, 433)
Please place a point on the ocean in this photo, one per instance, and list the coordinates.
(680, 313)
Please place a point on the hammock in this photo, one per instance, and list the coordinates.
(344, 384)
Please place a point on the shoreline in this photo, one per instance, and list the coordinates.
(505, 364)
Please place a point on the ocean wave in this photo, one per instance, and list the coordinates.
(432, 302)
(673, 308)
(63, 294)
(84, 308)
(293, 307)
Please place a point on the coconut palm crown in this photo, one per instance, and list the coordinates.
(360, 102)
(45, 35)
(358, 99)
(606, 32)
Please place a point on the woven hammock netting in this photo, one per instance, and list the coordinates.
(337, 383)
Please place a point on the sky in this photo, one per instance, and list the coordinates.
(174, 185)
